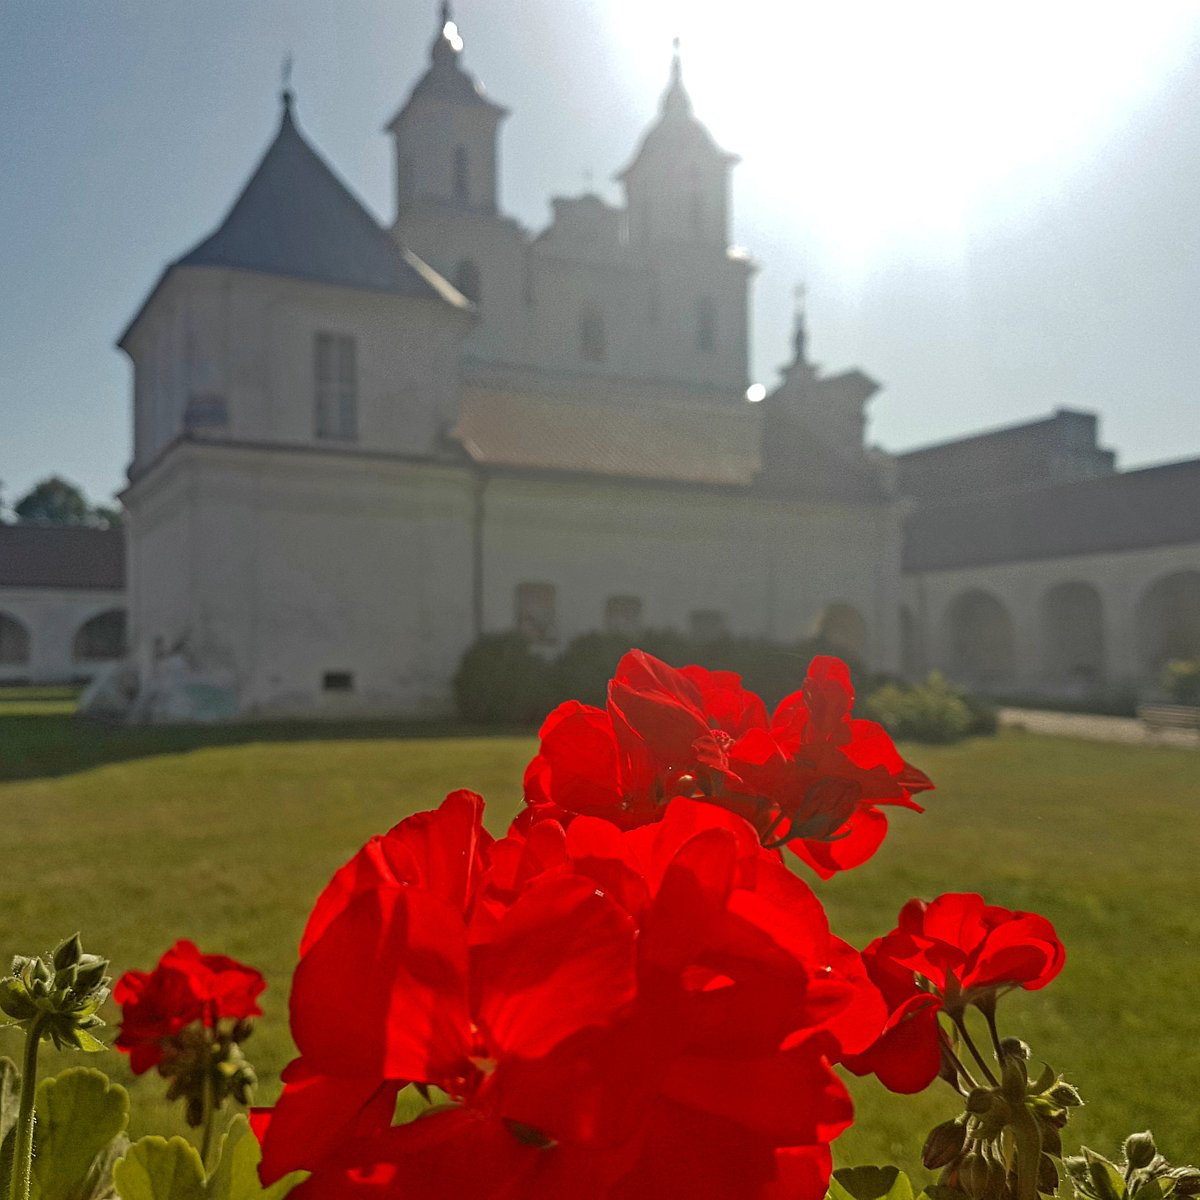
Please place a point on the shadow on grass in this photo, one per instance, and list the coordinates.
(53, 743)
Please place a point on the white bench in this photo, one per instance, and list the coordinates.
(1169, 716)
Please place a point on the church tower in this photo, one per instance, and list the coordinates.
(446, 133)
(677, 186)
(446, 138)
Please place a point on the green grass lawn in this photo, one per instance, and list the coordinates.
(138, 837)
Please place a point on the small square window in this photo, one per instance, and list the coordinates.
(338, 681)
(708, 625)
(623, 615)
(536, 613)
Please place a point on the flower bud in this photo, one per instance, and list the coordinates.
(1015, 1048)
(1065, 1095)
(67, 953)
(980, 1100)
(944, 1144)
(1140, 1150)
(1186, 1181)
(1047, 1175)
(974, 1175)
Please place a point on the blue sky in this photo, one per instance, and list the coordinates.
(994, 221)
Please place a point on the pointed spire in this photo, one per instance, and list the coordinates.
(675, 99)
(286, 96)
(800, 323)
(447, 43)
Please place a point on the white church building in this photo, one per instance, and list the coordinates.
(359, 447)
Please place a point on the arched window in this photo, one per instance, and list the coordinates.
(978, 639)
(100, 639)
(14, 642)
(593, 343)
(466, 279)
(1168, 621)
(1073, 638)
(462, 174)
(706, 324)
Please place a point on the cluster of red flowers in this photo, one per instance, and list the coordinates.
(185, 988)
(629, 996)
(808, 776)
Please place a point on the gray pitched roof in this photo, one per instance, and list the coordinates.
(296, 218)
(1158, 506)
(61, 556)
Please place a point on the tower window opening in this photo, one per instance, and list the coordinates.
(462, 175)
(696, 215)
(593, 343)
(706, 324)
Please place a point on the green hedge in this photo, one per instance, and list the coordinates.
(932, 711)
(503, 681)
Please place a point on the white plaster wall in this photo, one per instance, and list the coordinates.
(249, 338)
(1121, 578)
(53, 616)
(302, 564)
(771, 566)
(427, 133)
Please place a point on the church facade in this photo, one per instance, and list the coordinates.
(357, 448)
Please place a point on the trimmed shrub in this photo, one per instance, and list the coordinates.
(932, 711)
(501, 681)
(1181, 681)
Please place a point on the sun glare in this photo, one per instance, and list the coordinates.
(873, 121)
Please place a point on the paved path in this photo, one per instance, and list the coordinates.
(1096, 728)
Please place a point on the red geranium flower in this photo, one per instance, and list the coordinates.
(614, 1014)
(809, 776)
(944, 955)
(185, 987)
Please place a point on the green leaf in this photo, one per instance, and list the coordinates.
(10, 1104)
(157, 1169)
(873, 1183)
(235, 1176)
(79, 1113)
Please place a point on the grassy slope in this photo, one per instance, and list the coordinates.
(229, 844)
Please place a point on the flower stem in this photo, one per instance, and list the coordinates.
(22, 1165)
(990, 1016)
(960, 1021)
(948, 1050)
(210, 1116)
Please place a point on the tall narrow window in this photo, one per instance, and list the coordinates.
(466, 279)
(462, 174)
(706, 324)
(593, 344)
(335, 376)
(623, 615)
(696, 216)
(536, 615)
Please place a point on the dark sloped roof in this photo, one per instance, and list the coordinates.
(296, 218)
(1159, 506)
(62, 556)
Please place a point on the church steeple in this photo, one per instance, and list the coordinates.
(445, 134)
(675, 100)
(677, 186)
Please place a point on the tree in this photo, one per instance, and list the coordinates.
(54, 501)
